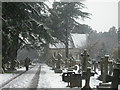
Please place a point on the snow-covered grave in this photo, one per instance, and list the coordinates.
(49, 79)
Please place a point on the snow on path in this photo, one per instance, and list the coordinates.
(24, 80)
(7, 76)
(49, 79)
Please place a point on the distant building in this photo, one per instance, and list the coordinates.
(75, 47)
(75, 52)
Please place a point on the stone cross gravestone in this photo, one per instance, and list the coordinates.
(85, 56)
(59, 57)
(87, 80)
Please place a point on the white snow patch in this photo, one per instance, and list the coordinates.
(7, 76)
(118, 87)
(49, 79)
(24, 80)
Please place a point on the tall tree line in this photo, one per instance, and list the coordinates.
(35, 25)
(103, 43)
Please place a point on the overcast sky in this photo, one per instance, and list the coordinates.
(104, 14)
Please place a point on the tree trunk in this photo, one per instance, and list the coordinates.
(66, 46)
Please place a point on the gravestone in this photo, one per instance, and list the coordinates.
(76, 80)
(87, 80)
(66, 63)
(85, 59)
(70, 64)
(59, 57)
(101, 68)
(58, 66)
(105, 68)
(115, 80)
(110, 67)
(104, 74)
(85, 56)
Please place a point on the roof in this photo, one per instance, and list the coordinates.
(77, 41)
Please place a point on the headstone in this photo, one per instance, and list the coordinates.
(101, 68)
(58, 65)
(101, 65)
(66, 63)
(85, 56)
(76, 80)
(87, 80)
(110, 68)
(115, 81)
(59, 57)
(70, 64)
(105, 68)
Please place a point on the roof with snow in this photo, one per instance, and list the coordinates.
(76, 41)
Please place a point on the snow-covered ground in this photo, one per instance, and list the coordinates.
(49, 79)
(23, 81)
(7, 76)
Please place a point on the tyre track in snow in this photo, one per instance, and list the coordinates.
(35, 80)
(12, 79)
(5, 83)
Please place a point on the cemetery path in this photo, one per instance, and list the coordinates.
(35, 80)
(49, 79)
(24, 80)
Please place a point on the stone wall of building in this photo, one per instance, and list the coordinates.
(74, 52)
